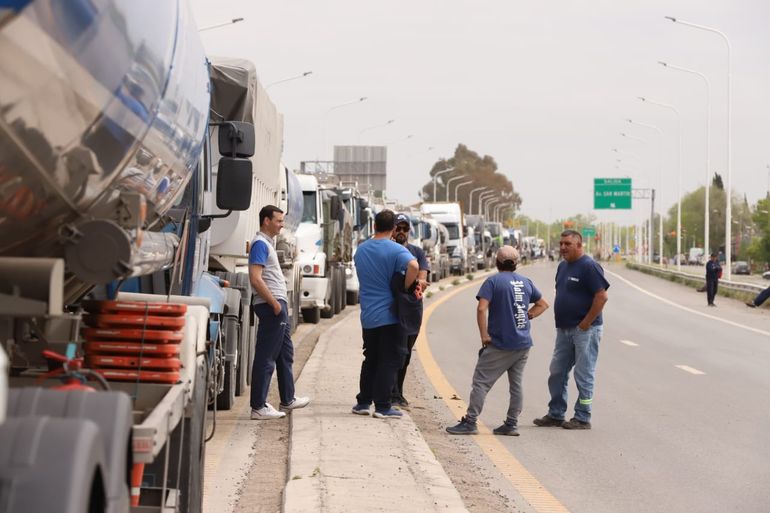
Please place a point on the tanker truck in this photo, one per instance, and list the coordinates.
(106, 203)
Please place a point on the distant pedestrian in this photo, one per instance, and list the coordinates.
(713, 274)
(581, 293)
(761, 298)
(505, 340)
(401, 236)
(274, 350)
(385, 344)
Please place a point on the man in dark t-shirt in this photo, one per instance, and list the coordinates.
(581, 293)
(505, 340)
(401, 236)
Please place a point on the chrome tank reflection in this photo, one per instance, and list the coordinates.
(99, 101)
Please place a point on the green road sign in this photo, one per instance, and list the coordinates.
(612, 193)
(589, 232)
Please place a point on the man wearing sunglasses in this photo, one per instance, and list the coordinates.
(401, 236)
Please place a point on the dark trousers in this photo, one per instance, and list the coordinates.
(384, 352)
(274, 351)
(762, 297)
(711, 290)
(398, 388)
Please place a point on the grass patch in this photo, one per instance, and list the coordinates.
(469, 277)
(429, 294)
(456, 282)
(440, 288)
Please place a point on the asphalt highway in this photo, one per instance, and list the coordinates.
(681, 421)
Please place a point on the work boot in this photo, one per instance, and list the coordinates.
(465, 427)
(574, 423)
(548, 421)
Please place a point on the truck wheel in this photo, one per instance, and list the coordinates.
(226, 397)
(351, 297)
(311, 315)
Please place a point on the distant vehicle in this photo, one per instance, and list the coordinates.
(741, 267)
(656, 258)
(695, 256)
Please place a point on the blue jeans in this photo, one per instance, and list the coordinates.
(274, 351)
(762, 297)
(579, 349)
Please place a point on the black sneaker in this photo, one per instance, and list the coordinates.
(506, 430)
(400, 401)
(463, 428)
(548, 421)
(751, 304)
(574, 423)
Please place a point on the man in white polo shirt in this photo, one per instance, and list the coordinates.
(274, 349)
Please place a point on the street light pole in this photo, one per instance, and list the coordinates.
(679, 187)
(707, 227)
(436, 176)
(660, 188)
(388, 122)
(448, 182)
(330, 110)
(224, 24)
(303, 75)
(729, 207)
(457, 187)
(470, 197)
(482, 197)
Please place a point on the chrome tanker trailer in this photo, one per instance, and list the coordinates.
(107, 318)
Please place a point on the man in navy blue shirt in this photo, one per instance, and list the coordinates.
(401, 236)
(377, 260)
(505, 340)
(713, 273)
(581, 293)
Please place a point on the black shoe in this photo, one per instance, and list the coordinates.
(463, 428)
(711, 304)
(574, 423)
(506, 430)
(400, 401)
(751, 305)
(548, 421)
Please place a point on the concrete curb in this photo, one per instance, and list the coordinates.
(340, 462)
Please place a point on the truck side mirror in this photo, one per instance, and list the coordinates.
(234, 184)
(334, 207)
(236, 139)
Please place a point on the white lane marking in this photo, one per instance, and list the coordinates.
(689, 369)
(629, 343)
(686, 309)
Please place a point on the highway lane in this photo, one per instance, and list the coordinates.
(665, 438)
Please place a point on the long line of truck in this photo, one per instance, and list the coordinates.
(130, 186)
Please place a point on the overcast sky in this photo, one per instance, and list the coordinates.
(543, 87)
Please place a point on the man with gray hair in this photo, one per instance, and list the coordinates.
(505, 340)
(581, 293)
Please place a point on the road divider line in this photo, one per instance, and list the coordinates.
(629, 343)
(689, 369)
(687, 309)
(522, 480)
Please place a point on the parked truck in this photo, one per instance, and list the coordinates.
(485, 250)
(246, 100)
(106, 203)
(357, 205)
(325, 242)
(450, 215)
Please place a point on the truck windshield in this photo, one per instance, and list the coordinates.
(454, 230)
(309, 210)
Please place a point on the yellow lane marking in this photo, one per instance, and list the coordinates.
(689, 369)
(686, 309)
(521, 479)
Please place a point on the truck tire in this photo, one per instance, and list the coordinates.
(226, 397)
(351, 297)
(328, 311)
(311, 315)
(343, 303)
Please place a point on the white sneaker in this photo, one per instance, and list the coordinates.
(298, 402)
(267, 412)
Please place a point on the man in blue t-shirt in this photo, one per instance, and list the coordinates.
(377, 260)
(505, 340)
(581, 293)
(401, 236)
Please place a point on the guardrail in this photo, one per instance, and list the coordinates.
(736, 286)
